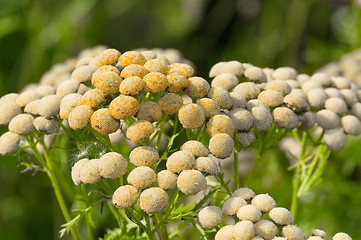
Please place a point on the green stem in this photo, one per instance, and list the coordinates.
(148, 225)
(57, 190)
(189, 134)
(87, 218)
(257, 161)
(163, 232)
(67, 131)
(223, 184)
(320, 160)
(294, 204)
(198, 227)
(118, 216)
(49, 168)
(297, 179)
(265, 142)
(150, 235)
(89, 227)
(235, 168)
(36, 152)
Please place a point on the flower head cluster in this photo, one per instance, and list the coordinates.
(185, 171)
(65, 87)
(349, 66)
(261, 97)
(249, 210)
(137, 87)
(141, 178)
(36, 107)
(110, 165)
(132, 92)
(190, 165)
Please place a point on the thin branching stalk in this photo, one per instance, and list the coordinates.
(56, 187)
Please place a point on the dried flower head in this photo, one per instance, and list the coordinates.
(196, 148)
(191, 116)
(180, 161)
(221, 145)
(112, 165)
(46, 125)
(143, 156)
(197, 87)
(264, 202)
(132, 57)
(191, 182)
(281, 216)
(80, 116)
(140, 131)
(106, 81)
(22, 124)
(221, 96)
(232, 205)
(207, 166)
(9, 143)
(223, 124)
(241, 118)
(249, 212)
(131, 85)
(266, 229)
(93, 98)
(181, 68)
(167, 179)
(149, 111)
(157, 65)
(153, 200)
(142, 177)
(285, 117)
(292, 232)
(125, 196)
(210, 216)
(225, 81)
(123, 107)
(176, 82)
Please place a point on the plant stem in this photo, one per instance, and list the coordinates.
(198, 227)
(89, 227)
(257, 161)
(294, 204)
(148, 231)
(36, 152)
(297, 179)
(57, 190)
(235, 168)
(163, 233)
(264, 144)
(223, 184)
(150, 234)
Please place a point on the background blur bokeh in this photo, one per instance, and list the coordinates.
(305, 34)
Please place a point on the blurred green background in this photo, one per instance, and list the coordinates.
(305, 34)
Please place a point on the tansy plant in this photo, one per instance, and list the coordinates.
(141, 133)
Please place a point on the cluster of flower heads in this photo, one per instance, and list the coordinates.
(36, 107)
(185, 169)
(105, 89)
(110, 165)
(119, 84)
(349, 66)
(259, 97)
(251, 224)
(60, 90)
